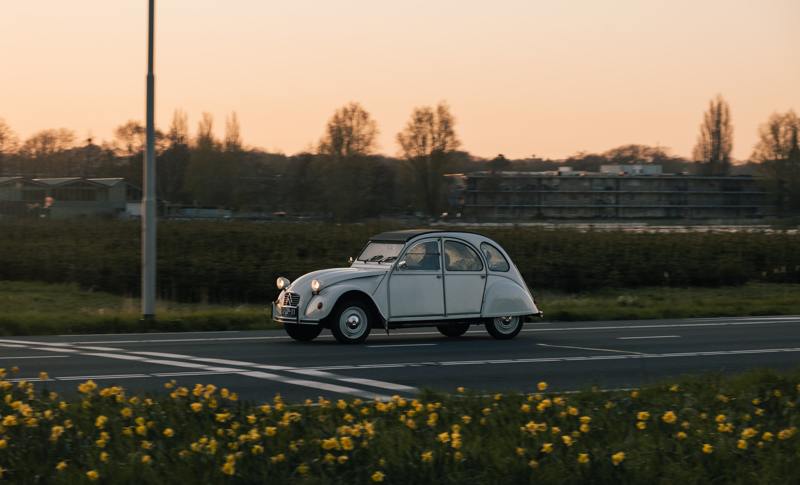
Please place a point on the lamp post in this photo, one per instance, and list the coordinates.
(149, 194)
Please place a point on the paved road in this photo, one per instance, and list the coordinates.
(569, 355)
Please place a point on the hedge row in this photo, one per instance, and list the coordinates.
(238, 262)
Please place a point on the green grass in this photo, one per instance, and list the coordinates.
(698, 430)
(645, 303)
(38, 308)
(28, 308)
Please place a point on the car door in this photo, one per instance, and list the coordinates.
(416, 287)
(464, 279)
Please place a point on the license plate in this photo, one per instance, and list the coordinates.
(289, 312)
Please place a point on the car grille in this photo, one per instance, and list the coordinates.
(291, 299)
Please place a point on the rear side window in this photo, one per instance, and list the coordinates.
(495, 259)
(460, 257)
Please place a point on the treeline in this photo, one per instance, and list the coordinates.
(344, 178)
(239, 262)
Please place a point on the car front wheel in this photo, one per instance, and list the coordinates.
(504, 328)
(303, 333)
(351, 322)
(453, 329)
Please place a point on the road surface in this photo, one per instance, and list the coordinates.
(258, 364)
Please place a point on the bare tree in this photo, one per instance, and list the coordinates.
(46, 152)
(427, 141)
(715, 141)
(778, 150)
(179, 128)
(205, 132)
(350, 132)
(8, 145)
(233, 137)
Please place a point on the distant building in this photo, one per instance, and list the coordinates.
(617, 192)
(67, 197)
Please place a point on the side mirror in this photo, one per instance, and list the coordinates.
(401, 265)
(350, 260)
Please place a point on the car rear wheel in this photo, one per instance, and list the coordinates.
(303, 333)
(453, 329)
(351, 322)
(504, 328)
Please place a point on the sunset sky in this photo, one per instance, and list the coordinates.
(523, 77)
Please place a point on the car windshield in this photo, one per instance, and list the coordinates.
(380, 252)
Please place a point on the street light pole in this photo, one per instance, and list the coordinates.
(149, 195)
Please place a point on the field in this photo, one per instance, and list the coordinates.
(696, 430)
(233, 263)
(30, 308)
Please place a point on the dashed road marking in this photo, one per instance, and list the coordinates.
(648, 337)
(595, 349)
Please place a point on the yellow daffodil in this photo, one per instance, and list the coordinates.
(618, 458)
(547, 448)
(708, 449)
(542, 386)
(741, 444)
(61, 466)
(427, 456)
(378, 476)
(669, 417)
(92, 475)
(583, 458)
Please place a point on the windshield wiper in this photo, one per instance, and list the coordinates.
(377, 257)
(388, 259)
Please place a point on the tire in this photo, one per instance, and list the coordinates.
(351, 321)
(504, 328)
(303, 333)
(453, 329)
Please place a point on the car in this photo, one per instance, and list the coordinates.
(418, 277)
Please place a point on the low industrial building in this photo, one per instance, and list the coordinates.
(61, 198)
(616, 192)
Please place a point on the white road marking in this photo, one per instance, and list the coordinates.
(146, 333)
(315, 385)
(561, 359)
(648, 337)
(36, 357)
(356, 380)
(590, 348)
(143, 358)
(700, 322)
(102, 377)
(214, 361)
(399, 345)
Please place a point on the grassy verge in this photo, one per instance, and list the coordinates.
(644, 303)
(696, 430)
(40, 308)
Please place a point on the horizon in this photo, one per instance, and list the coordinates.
(591, 82)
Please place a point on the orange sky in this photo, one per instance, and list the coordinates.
(522, 76)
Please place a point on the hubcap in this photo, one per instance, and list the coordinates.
(353, 322)
(506, 325)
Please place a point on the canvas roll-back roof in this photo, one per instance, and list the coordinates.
(400, 236)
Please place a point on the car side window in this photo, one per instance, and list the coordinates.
(495, 259)
(460, 257)
(423, 256)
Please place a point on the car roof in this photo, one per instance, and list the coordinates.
(400, 236)
(406, 235)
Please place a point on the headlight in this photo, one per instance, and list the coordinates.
(282, 283)
(315, 286)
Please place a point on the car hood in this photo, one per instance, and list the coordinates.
(328, 277)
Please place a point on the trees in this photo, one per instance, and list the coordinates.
(350, 132)
(778, 150)
(427, 142)
(715, 141)
(45, 153)
(8, 145)
(172, 164)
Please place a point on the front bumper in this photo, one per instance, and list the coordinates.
(289, 314)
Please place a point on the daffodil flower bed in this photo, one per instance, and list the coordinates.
(697, 430)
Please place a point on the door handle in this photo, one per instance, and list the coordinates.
(438, 276)
(483, 276)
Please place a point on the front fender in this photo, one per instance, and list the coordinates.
(505, 297)
(329, 296)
